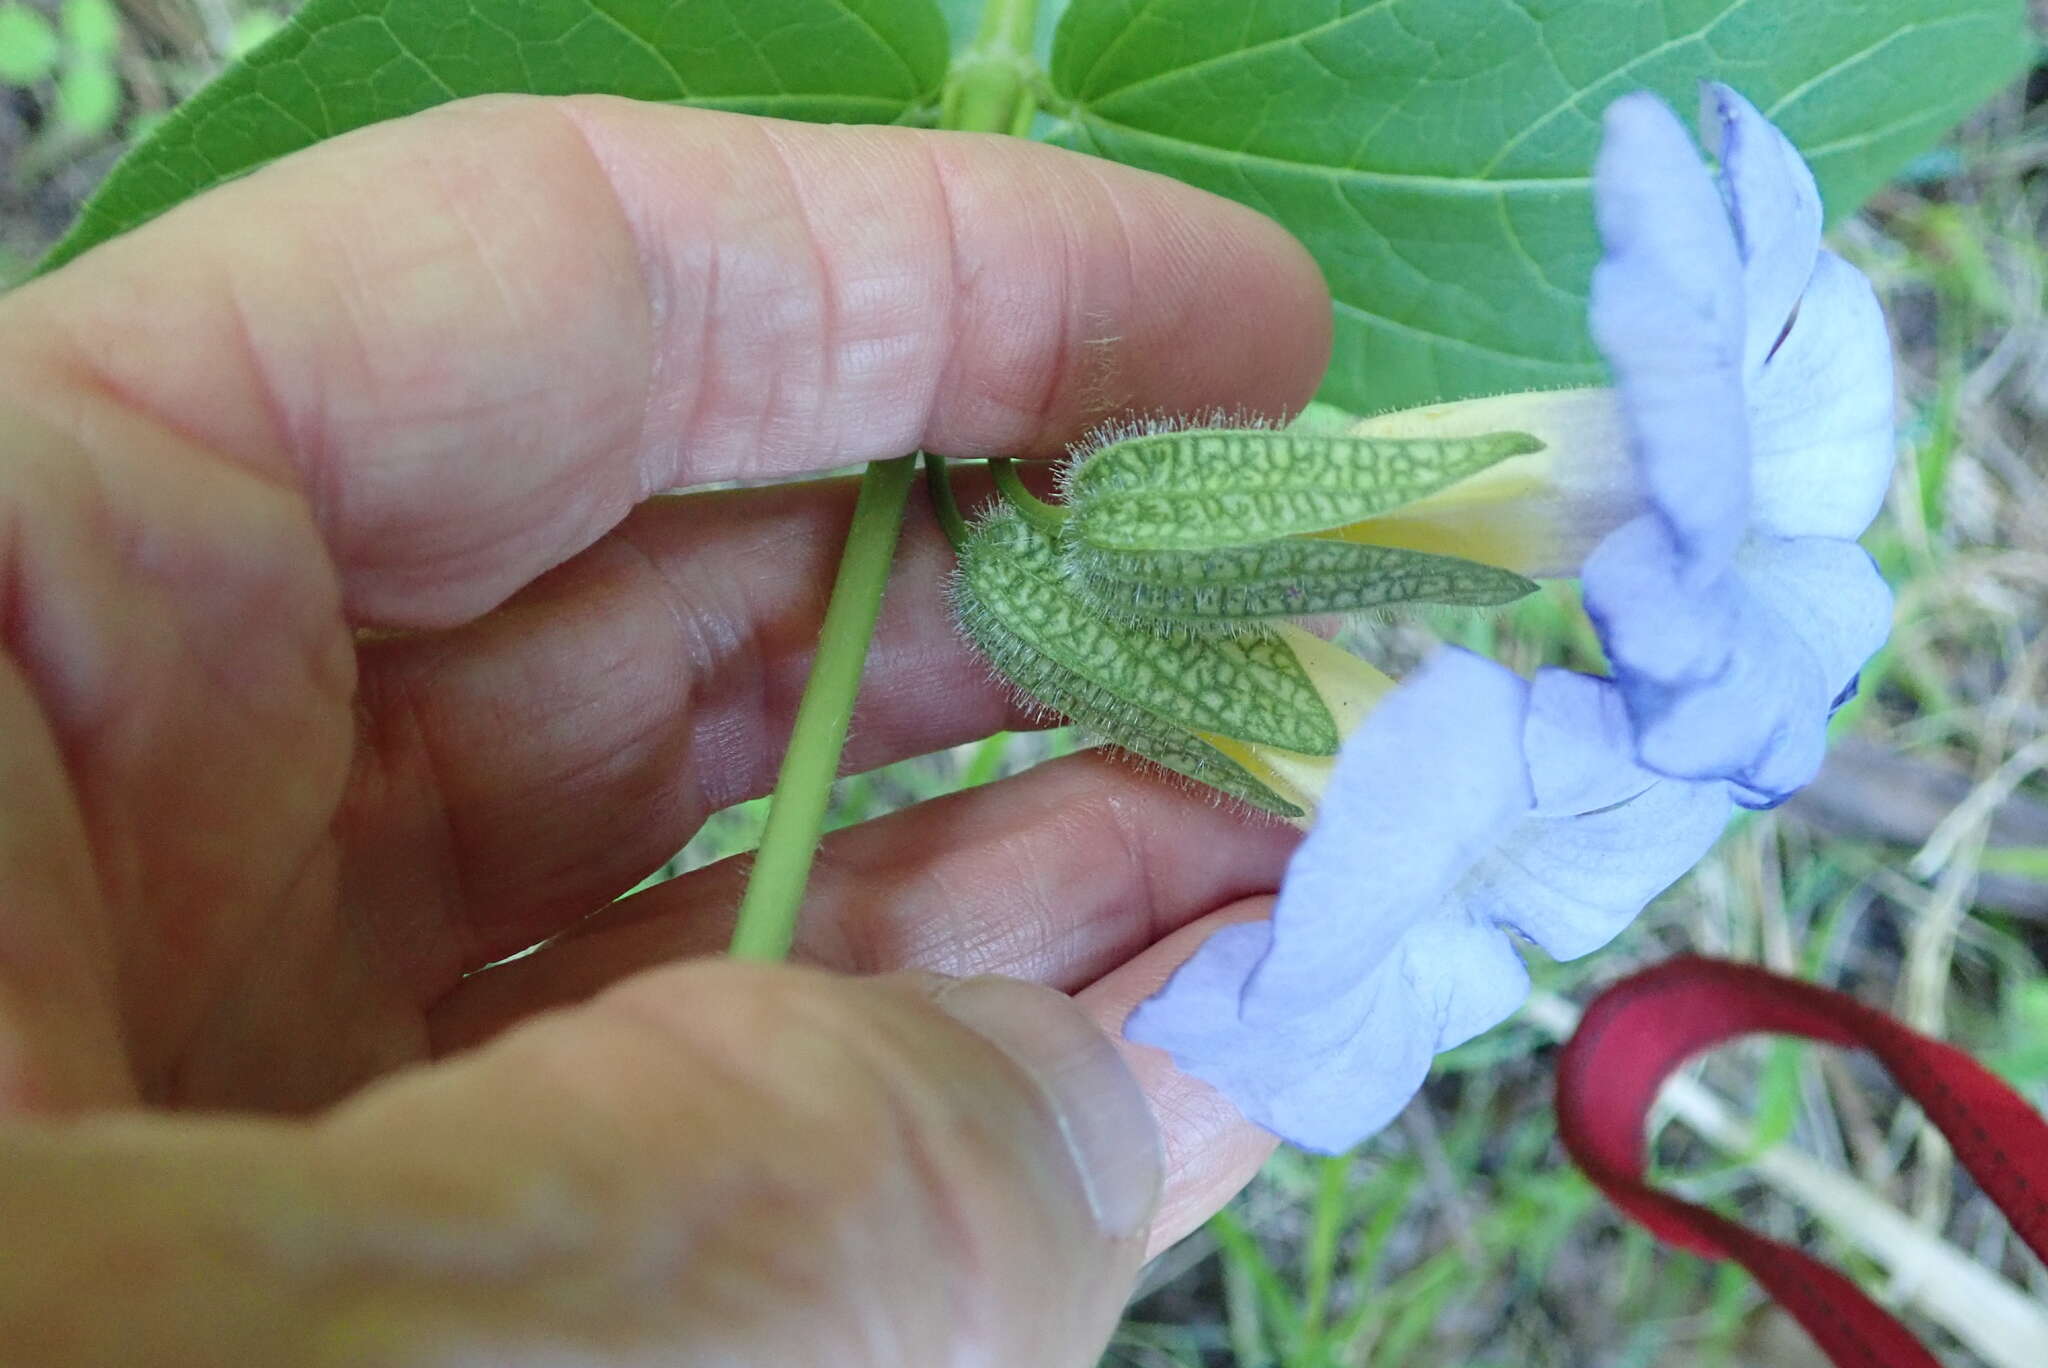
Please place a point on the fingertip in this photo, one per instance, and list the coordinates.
(1103, 1117)
(1211, 1150)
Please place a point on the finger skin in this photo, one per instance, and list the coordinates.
(391, 380)
(1211, 1150)
(177, 629)
(541, 761)
(713, 1164)
(1058, 875)
(59, 1015)
(1101, 882)
(475, 338)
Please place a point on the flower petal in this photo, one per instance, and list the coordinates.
(1606, 836)
(1667, 312)
(1572, 884)
(1821, 413)
(1421, 790)
(1580, 745)
(1321, 1024)
(1777, 212)
(1319, 1082)
(1466, 973)
(1195, 1015)
(1405, 884)
(1449, 978)
(1828, 593)
(1658, 628)
(1328, 1100)
(1735, 680)
(1349, 1064)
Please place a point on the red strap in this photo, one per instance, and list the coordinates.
(1639, 1031)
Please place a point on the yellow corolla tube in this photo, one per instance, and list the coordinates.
(1539, 514)
(1350, 688)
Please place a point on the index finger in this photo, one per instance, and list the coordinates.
(477, 337)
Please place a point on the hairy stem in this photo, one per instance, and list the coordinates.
(992, 90)
(1046, 517)
(944, 506)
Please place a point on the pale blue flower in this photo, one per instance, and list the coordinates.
(1711, 499)
(1470, 809)
(1754, 378)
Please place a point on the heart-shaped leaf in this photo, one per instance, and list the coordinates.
(341, 64)
(1433, 154)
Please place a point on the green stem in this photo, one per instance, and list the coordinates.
(994, 89)
(994, 85)
(944, 506)
(1044, 516)
(796, 815)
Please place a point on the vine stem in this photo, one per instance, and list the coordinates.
(796, 814)
(944, 506)
(992, 90)
(993, 86)
(1046, 517)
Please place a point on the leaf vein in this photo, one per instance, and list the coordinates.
(406, 51)
(1593, 88)
(1462, 185)
(1368, 317)
(1299, 39)
(909, 75)
(646, 44)
(1855, 58)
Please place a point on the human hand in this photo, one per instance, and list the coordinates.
(348, 652)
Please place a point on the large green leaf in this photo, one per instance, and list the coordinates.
(1433, 153)
(341, 64)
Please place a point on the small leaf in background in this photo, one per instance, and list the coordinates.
(342, 64)
(88, 97)
(1433, 154)
(1205, 488)
(251, 31)
(92, 28)
(88, 87)
(2023, 1061)
(28, 45)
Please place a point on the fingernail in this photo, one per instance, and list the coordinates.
(1101, 1111)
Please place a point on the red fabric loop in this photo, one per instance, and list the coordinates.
(1638, 1032)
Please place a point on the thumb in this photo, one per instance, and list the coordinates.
(714, 1162)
